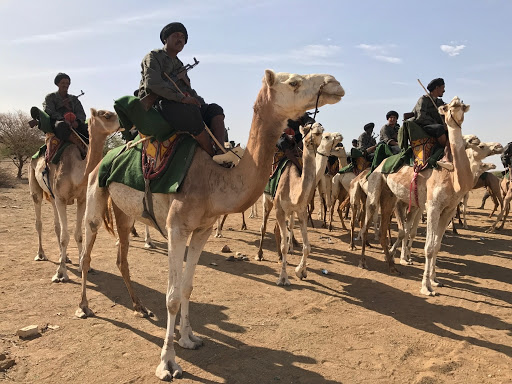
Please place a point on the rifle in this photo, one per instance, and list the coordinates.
(32, 123)
(150, 98)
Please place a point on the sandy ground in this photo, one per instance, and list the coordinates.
(346, 326)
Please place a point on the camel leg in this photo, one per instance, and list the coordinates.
(177, 241)
(387, 205)
(401, 220)
(148, 241)
(464, 208)
(220, 225)
(411, 235)
(301, 269)
(37, 197)
(340, 212)
(133, 232)
(61, 276)
(352, 225)
(281, 222)
(96, 206)
(244, 225)
(124, 224)
(432, 245)
(267, 207)
(254, 211)
(335, 191)
(197, 242)
(277, 235)
(80, 212)
(328, 203)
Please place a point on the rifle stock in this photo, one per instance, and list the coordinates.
(33, 123)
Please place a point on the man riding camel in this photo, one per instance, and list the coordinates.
(178, 103)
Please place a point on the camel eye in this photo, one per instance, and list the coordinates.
(293, 83)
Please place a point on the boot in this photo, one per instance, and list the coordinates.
(447, 160)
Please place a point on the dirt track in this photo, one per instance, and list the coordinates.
(349, 326)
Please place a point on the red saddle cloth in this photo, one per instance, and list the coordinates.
(156, 155)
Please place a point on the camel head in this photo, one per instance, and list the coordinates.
(292, 95)
(328, 142)
(103, 123)
(454, 111)
(339, 150)
(470, 140)
(312, 135)
(482, 150)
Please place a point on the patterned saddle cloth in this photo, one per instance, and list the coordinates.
(156, 155)
(52, 149)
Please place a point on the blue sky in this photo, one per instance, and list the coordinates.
(376, 49)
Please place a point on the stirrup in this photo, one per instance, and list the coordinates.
(445, 165)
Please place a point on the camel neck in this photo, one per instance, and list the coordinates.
(308, 177)
(462, 175)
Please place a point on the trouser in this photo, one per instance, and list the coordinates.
(62, 130)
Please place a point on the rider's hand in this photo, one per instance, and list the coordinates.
(190, 100)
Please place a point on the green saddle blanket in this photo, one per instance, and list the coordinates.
(125, 167)
(150, 123)
(273, 181)
(45, 124)
(56, 158)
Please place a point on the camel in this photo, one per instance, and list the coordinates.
(207, 192)
(439, 191)
(325, 141)
(325, 187)
(506, 191)
(68, 182)
(339, 192)
(476, 152)
(498, 191)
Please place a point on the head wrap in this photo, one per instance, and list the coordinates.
(391, 113)
(61, 76)
(369, 126)
(169, 29)
(434, 84)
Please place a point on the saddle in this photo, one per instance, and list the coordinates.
(156, 155)
(425, 150)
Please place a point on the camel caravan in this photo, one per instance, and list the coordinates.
(176, 175)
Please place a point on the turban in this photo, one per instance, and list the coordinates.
(391, 113)
(434, 84)
(369, 126)
(169, 29)
(61, 76)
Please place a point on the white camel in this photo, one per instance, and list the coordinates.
(207, 192)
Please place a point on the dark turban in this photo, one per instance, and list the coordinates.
(391, 113)
(369, 126)
(434, 84)
(169, 29)
(61, 76)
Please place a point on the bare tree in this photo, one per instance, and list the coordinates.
(19, 141)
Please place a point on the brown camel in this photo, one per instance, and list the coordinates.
(439, 191)
(207, 192)
(67, 180)
(291, 183)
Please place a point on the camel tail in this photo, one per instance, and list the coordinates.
(108, 219)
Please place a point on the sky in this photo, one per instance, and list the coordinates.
(377, 49)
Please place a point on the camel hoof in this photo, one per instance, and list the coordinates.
(425, 291)
(41, 257)
(189, 344)
(163, 373)
(218, 235)
(149, 245)
(436, 283)
(301, 273)
(394, 271)
(84, 313)
(283, 282)
(60, 278)
(143, 313)
(362, 265)
(406, 262)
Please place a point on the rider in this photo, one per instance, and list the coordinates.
(179, 104)
(366, 143)
(65, 110)
(427, 116)
(389, 132)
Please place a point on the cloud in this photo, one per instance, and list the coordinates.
(380, 52)
(452, 50)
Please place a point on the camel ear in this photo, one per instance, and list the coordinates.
(465, 107)
(443, 109)
(270, 77)
(301, 130)
(94, 112)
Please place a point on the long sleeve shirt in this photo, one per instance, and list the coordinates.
(55, 106)
(389, 133)
(425, 113)
(365, 141)
(153, 66)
